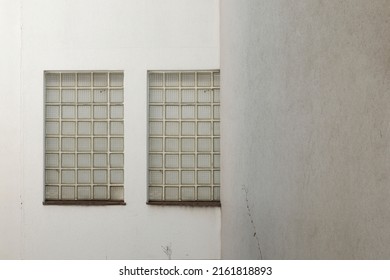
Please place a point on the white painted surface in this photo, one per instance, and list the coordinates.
(133, 36)
(10, 155)
(307, 83)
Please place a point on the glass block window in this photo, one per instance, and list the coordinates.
(84, 136)
(183, 136)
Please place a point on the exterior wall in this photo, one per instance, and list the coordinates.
(133, 36)
(306, 129)
(10, 156)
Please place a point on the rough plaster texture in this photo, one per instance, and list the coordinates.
(133, 36)
(305, 129)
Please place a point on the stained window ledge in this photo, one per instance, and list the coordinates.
(186, 203)
(83, 202)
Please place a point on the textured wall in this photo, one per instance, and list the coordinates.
(306, 134)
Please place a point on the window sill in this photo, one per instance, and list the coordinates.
(83, 202)
(186, 203)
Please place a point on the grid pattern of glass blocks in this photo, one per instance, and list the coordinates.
(84, 136)
(184, 136)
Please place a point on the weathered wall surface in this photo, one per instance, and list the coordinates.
(306, 135)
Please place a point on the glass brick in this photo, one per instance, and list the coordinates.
(116, 145)
(100, 160)
(172, 128)
(116, 95)
(188, 95)
(155, 112)
(100, 176)
(116, 112)
(67, 193)
(52, 96)
(84, 112)
(187, 161)
(68, 95)
(100, 192)
(188, 128)
(52, 176)
(216, 193)
(172, 177)
(83, 144)
(156, 177)
(171, 161)
(172, 79)
(204, 177)
(204, 161)
(171, 144)
(52, 192)
(216, 161)
(155, 161)
(116, 128)
(155, 128)
(52, 112)
(155, 144)
(83, 176)
(68, 160)
(156, 79)
(100, 95)
(172, 95)
(100, 79)
(204, 145)
(116, 79)
(83, 192)
(156, 96)
(216, 95)
(116, 176)
(67, 176)
(216, 78)
(216, 146)
(204, 193)
(68, 80)
(117, 193)
(100, 128)
(172, 193)
(188, 79)
(172, 112)
(155, 193)
(204, 95)
(84, 96)
(68, 112)
(116, 160)
(84, 128)
(204, 112)
(188, 112)
(52, 160)
(84, 79)
(217, 177)
(216, 129)
(100, 144)
(52, 144)
(52, 128)
(188, 177)
(84, 160)
(52, 79)
(68, 128)
(216, 114)
(188, 145)
(187, 193)
(204, 128)
(204, 79)
(100, 112)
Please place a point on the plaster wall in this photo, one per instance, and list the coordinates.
(306, 109)
(133, 36)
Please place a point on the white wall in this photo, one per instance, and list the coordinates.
(306, 110)
(10, 139)
(133, 36)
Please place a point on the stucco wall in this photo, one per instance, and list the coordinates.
(305, 129)
(133, 36)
